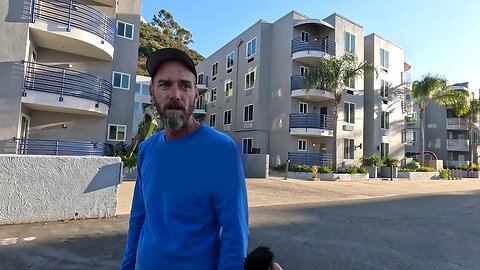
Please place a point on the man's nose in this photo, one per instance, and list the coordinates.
(174, 92)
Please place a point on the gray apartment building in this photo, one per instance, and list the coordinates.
(447, 135)
(385, 105)
(67, 73)
(254, 92)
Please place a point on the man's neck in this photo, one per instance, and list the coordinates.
(190, 127)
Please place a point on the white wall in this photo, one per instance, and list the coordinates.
(47, 188)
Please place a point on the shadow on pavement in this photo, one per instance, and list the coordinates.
(427, 232)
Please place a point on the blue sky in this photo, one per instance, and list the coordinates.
(440, 37)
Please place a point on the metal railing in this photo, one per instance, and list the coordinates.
(458, 145)
(296, 83)
(74, 14)
(201, 105)
(311, 120)
(313, 44)
(202, 79)
(59, 147)
(65, 82)
(457, 123)
(310, 159)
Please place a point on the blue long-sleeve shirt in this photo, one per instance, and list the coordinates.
(189, 208)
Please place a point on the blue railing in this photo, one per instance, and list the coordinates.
(310, 159)
(59, 147)
(65, 82)
(73, 14)
(311, 120)
(323, 44)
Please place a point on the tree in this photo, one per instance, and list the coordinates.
(431, 88)
(161, 33)
(332, 74)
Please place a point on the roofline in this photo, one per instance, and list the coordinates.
(345, 18)
(387, 40)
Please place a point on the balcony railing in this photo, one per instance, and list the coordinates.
(310, 159)
(201, 105)
(202, 80)
(65, 82)
(458, 145)
(311, 120)
(313, 44)
(74, 14)
(297, 83)
(457, 123)
(59, 147)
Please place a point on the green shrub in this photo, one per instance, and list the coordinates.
(413, 166)
(353, 170)
(293, 168)
(371, 161)
(425, 169)
(444, 173)
(324, 169)
(390, 160)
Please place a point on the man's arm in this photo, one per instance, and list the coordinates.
(137, 218)
(231, 207)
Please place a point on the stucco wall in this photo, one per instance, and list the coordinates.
(255, 165)
(47, 188)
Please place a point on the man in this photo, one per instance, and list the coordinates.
(189, 208)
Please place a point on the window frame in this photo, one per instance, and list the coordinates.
(125, 30)
(215, 68)
(210, 120)
(254, 79)
(348, 148)
(252, 113)
(302, 145)
(348, 118)
(227, 82)
(213, 95)
(350, 49)
(383, 153)
(116, 132)
(384, 58)
(384, 85)
(304, 36)
(303, 104)
(412, 117)
(247, 47)
(121, 80)
(385, 120)
(243, 145)
(304, 71)
(227, 60)
(225, 114)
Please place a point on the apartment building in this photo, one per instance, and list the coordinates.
(67, 75)
(254, 92)
(447, 136)
(385, 106)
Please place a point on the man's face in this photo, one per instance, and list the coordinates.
(174, 93)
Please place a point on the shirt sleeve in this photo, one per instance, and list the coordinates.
(231, 206)
(137, 218)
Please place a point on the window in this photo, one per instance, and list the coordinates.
(412, 118)
(252, 47)
(201, 78)
(146, 89)
(116, 132)
(349, 42)
(414, 136)
(211, 120)
(247, 144)
(250, 80)
(125, 30)
(142, 88)
(349, 113)
(138, 88)
(215, 69)
(305, 36)
(227, 117)
(229, 88)
(408, 97)
(348, 148)
(213, 95)
(384, 58)
(303, 107)
(138, 107)
(384, 149)
(248, 113)
(350, 82)
(384, 87)
(230, 59)
(385, 122)
(302, 145)
(121, 80)
(475, 137)
(303, 71)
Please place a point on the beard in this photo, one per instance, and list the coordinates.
(174, 121)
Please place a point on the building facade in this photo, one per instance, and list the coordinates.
(67, 75)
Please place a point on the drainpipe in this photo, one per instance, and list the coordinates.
(236, 82)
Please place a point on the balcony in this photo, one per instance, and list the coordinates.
(457, 123)
(311, 124)
(202, 83)
(310, 159)
(461, 145)
(315, 95)
(312, 51)
(72, 27)
(59, 147)
(200, 108)
(61, 90)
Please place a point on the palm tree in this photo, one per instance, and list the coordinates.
(432, 88)
(332, 74)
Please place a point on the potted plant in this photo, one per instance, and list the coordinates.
(390, 166)
(372, 163)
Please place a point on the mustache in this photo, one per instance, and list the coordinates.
(175, 104)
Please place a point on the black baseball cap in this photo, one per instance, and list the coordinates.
(159, 56)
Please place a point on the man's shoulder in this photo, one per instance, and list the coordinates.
(216, 136)
(151, 140)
